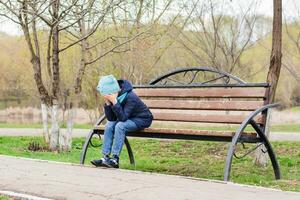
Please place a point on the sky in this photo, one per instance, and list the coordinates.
(291, 8)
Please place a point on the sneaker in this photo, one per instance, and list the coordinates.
(114, 162)
(103, 162)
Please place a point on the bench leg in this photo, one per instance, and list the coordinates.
(231, 150)
(269, 149)
(129, 150)
(88, 139)
(85, 146)
(266, 143)
(264, 139)
(229, 157)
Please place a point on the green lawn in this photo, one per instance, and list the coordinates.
(2, 197)
(286, 128)
(295, 109)
(277, 128)
(188, 158)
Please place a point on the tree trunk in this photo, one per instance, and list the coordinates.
(54, 138)
(65, 136)
(275, 66)
(276, 54)
(261, 158)
(54, 127)
(70, 124)
(36, 65)
(55, 52)
(46, 135)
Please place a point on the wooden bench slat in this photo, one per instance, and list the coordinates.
(202, 92)
(230, 119)
(204, 105)
(191, 132)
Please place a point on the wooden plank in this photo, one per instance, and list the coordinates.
(202, 92)
(192, 132)
(197, 132)
(204, 105)
(186, 117)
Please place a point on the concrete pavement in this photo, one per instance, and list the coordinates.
(274, 136)
(37, 132)
(69, 181)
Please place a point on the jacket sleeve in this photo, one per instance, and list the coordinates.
(110, 115)
(124, 113)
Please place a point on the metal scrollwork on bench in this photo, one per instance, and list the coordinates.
(196, 76)
(99, 137)
(248, 152)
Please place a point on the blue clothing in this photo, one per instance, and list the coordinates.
(121, 97)
(131, 108)
(115, 134)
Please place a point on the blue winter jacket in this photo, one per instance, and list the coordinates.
(131, 108)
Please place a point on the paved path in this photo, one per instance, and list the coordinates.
(37, 132)
(275, 136)
(65, 181)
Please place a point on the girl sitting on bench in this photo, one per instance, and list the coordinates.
(125, 112)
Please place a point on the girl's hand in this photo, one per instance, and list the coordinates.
(107, 102)
(111, 98)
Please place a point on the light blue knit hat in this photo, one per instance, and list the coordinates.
(108, 85)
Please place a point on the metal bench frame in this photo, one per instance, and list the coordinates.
(227, 79)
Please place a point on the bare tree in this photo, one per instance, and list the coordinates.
(18, 12)
(219, 40)
(55, 16)
(274, 69)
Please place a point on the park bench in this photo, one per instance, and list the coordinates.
(203, 95)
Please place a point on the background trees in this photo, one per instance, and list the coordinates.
(66, 45)
(52, 28)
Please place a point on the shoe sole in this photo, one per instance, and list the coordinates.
(101, 165)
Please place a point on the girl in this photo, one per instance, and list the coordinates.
(125, 112)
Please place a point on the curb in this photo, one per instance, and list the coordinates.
(22, 196)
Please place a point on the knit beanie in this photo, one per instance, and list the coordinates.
(108, 85)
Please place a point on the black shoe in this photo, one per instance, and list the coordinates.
(114, 162)
(103, 162)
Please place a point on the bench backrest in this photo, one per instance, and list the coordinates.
(207, 104)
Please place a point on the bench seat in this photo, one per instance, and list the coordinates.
(164, 132)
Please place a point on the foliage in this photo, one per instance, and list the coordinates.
(147, 58)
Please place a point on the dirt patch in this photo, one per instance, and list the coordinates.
(290, 182)
(35, 146)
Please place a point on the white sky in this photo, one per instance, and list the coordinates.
(291, 8)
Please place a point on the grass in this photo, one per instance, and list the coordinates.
(188, 158)
(276, 128)
(286, 128)
(295, 109)
(2, 197)
(14, 125)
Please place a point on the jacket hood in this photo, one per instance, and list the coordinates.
(125, 86)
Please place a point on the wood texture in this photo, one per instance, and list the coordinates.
(202, 92)
(204, 105)
(191, 132)
(186, 117)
